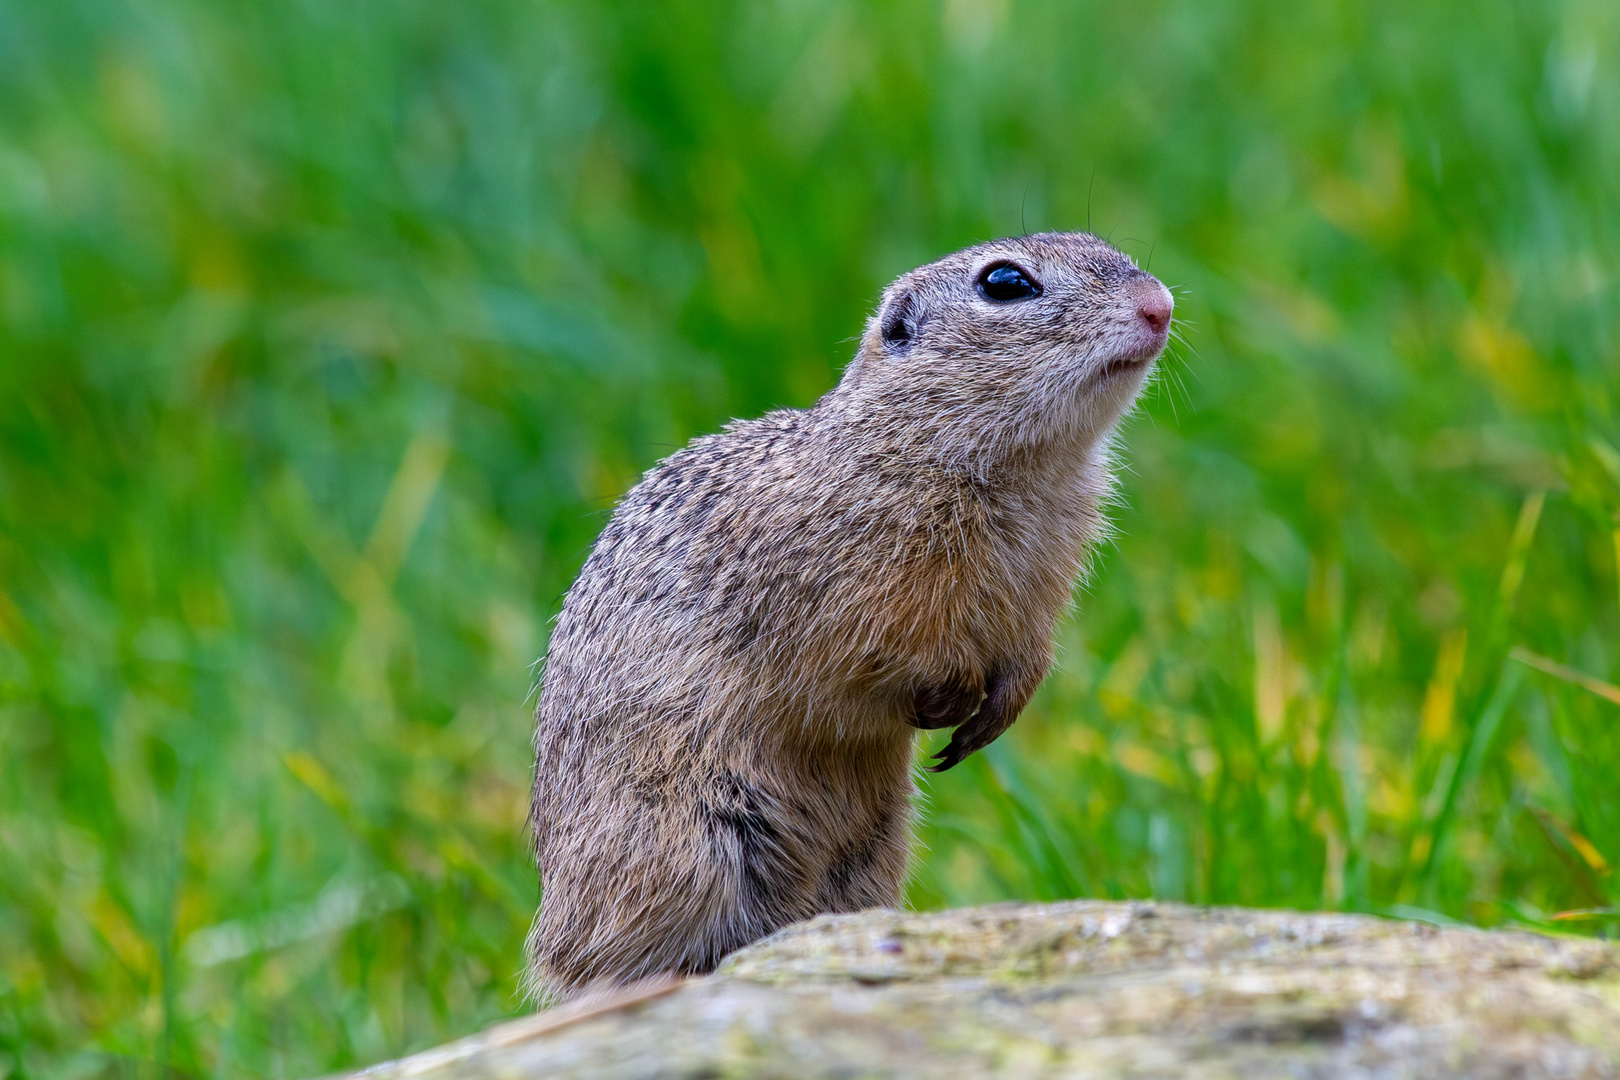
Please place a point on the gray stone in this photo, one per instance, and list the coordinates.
(1087, 989)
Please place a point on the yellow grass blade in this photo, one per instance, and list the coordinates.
(1597, 686)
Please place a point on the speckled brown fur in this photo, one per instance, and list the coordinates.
(724, 735)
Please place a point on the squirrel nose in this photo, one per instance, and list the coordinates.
(1153, 303)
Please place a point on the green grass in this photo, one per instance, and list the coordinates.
(330, 332)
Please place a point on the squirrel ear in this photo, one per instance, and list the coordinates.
(900, 322)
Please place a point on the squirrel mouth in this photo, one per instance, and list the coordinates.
(1131, 362)
(1147, 350)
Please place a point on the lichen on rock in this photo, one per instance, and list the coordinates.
(1089, 989)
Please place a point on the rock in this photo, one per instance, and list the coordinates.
(1088, 989)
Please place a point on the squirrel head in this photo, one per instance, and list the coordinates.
(1008, 346)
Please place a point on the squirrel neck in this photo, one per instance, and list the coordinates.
(896, 435)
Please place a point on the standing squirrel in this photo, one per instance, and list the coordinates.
(725, 730)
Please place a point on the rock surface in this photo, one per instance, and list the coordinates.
(1088, 989)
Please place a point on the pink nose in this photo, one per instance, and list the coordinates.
(1153, 303)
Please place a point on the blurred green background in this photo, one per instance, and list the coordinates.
(329, 333)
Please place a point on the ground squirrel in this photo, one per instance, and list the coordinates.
(725, 730)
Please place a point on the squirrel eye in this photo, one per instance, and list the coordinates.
(1005, 282)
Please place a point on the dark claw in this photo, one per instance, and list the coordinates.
(962, 744)
(968, 740)
(979, 731)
